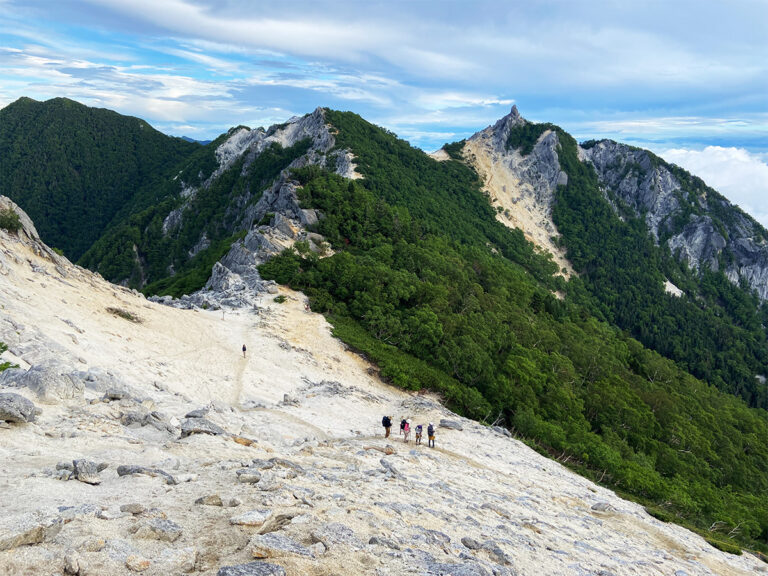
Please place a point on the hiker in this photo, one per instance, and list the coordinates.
(431, 435)
(402, 426)
(243, 350)
(407, 431)
(387, 423)
(418, 434)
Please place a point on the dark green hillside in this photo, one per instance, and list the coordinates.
(72, 168)
(428, 285)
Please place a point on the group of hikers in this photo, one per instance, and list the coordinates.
(405, 430)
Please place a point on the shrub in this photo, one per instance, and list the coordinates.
(725, 546)
(9, 220)
(280, 299)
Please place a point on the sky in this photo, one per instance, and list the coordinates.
(686, 79)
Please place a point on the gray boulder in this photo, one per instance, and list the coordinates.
(50, 386)
(450, 424)
(336, 534)
(86, 471)
(252, 569)
(129, 470)
(16, 408)
(273, 545)
(471, 543)
(191, 426)
(26, 529)
(157, 529)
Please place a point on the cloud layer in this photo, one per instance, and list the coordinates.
(740, 176)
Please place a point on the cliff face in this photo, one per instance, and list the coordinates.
(694, 221)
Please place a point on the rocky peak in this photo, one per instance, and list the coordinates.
(501, 129)
(521, 188)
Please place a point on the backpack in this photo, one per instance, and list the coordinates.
(386, 422)
(418, 429)
(407, 427)
(431, 430)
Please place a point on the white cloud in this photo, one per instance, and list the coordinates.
(740, 176)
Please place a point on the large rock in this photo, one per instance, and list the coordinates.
(252, 569)
(251, 518)
(16, 408)
(86, 471)
(157, 529)
(129, 470)
(336, 534)
(274, 545)
(25, 529)
(450, 424)
(50, 386)
(191, 426)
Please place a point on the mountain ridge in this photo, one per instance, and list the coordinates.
(414, 268)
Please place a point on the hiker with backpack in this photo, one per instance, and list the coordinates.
(431, 435)
(407, 431)
(402, 426)
(418, 433)
(387, 423)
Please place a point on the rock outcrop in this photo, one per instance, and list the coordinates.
(697, 224)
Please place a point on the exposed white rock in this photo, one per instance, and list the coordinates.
(670, 288)
(522, 188)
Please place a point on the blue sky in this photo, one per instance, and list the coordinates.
(688, 79)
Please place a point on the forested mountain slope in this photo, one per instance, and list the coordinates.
(429, 285)
(73, 168)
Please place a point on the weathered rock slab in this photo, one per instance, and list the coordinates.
(252, 569)
(251, 518)
(16, 408)
(26, 529)
(273, 545)
(451, 424)
(191, 426)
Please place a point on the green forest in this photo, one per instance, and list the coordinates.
(72, 168)
(429, 286)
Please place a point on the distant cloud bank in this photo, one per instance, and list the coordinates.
(739, 175)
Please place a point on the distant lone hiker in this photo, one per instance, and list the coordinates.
(244, 350)
(387, 423)
(431, 435)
